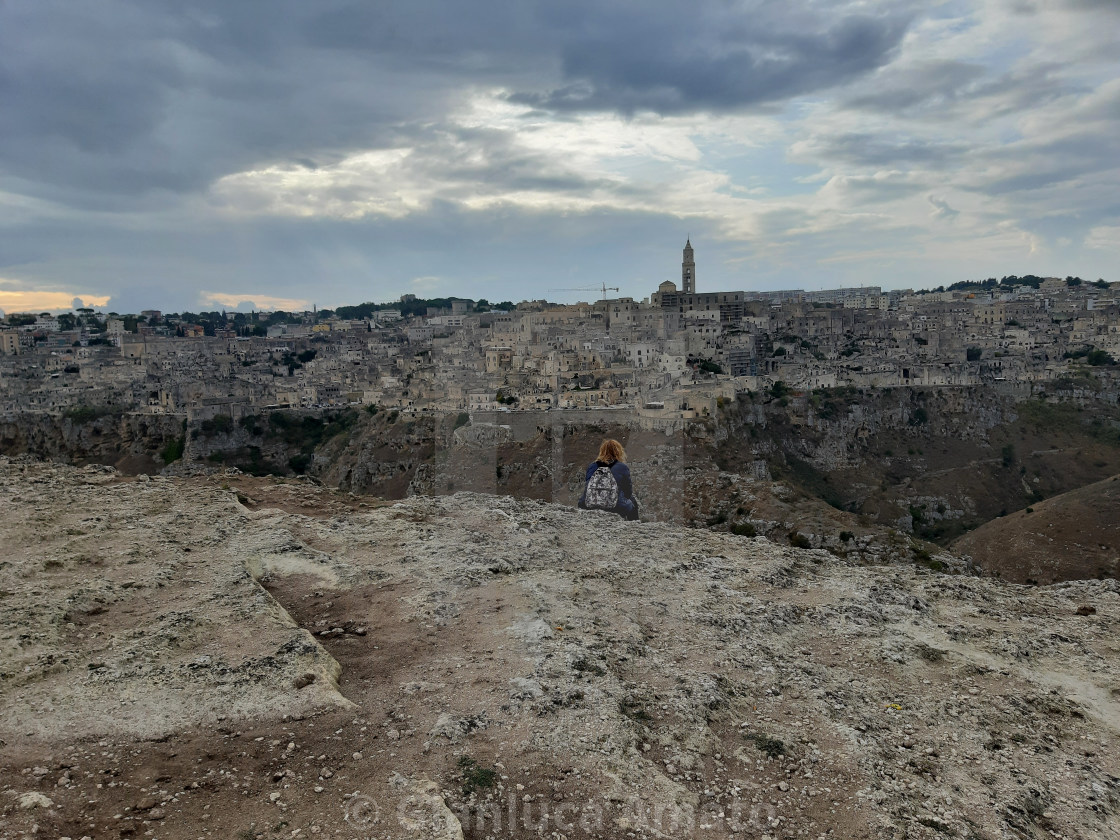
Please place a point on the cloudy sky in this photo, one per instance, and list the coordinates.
(159, 154)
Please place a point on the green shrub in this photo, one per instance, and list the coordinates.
(475, 777)
(84, 413)
(634, 710)
(251, 423)
(708, 366)
(799, 540)
(217, 425)
(173, 451)
(583, 666)
(1008, 454)
(771, 746)
(744, 529)
(462, 420)
(1099, 357)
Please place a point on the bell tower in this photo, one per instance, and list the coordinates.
(688, 270)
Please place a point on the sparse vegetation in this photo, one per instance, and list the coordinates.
(476, 777)
(173, 451)
(586, 666)
(220, 424)
(930, 654)
(633, 709)
(1007, 455)
(771, 746)
(815, 482)
(251, 424)
(85, 413)
(923, 558)
(706, 365)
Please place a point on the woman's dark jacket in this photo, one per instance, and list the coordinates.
(627, 506)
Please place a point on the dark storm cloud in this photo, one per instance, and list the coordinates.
(714, 56)
(940, 89)
(124, 98)
(108, 104)
(482, 159)
(1084, 148)
(879, 150)
(1030, 7)
(867, 191)
(1066, 160)
(894, 89)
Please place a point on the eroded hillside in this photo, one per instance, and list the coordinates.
(246, 657)
(1074, 535)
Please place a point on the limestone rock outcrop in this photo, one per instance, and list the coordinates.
(234, 656)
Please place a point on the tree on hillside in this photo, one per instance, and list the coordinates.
(1099, 357)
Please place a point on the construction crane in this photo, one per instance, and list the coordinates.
(603, 288)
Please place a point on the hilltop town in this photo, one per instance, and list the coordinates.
(668, 358)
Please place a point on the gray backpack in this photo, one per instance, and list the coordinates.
(602, 490)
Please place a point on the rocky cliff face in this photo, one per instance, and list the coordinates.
(131, 442)
(867, 474)
(933, 461)
(232, 656)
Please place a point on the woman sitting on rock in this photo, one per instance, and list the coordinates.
(607, 485)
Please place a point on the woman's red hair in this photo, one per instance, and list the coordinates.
(611, 451)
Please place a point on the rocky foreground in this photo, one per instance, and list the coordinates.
(252, 658)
